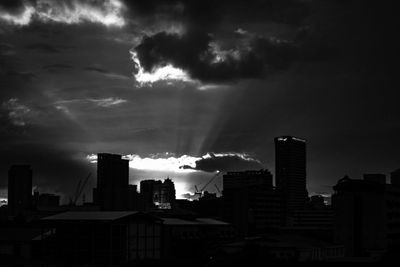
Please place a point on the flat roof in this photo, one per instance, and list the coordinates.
(18, 234)
(198, 221)
(90, 215)
(285, 138)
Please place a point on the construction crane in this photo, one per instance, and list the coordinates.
(200, 192)
(219, 191)
(79, 189)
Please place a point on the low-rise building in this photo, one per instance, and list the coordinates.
(367, 215)
(103, 238)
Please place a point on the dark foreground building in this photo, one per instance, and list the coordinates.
(367, 215)
(103, 238)
(112, 189)
(19, 189)
(120, 238)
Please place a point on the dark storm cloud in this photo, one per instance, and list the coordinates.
(193, 52)
(225, 162)
(203, 14)
(195, 49)
(13, 6)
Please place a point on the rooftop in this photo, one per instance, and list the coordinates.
(198, 221)
(17, 234)
(90, 215)
(288, 138)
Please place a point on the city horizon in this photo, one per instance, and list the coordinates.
(168, 162)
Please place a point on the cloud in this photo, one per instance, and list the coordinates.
(20, 15)
(107, 12)
(210, 162)
(159, 162)
(57, 67)
(17, 112)
(11, 5)
(101, 102)
(164, 73)
(106, 73)
(108, 102)
(197, 56)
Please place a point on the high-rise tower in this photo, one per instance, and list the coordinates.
(290, 172)
(19, 189)
(112, 182)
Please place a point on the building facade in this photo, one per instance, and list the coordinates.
(367, 215)
(19, 189)
(112, 182)
(290, 173)
(250, 202)
(157, 194)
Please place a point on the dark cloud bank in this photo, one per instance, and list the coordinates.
(193, 51)
(225, 163)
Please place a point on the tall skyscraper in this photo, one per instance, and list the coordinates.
(112, 182)
(290, 172)
(19, 189)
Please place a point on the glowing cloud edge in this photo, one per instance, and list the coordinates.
(110, 14)
(171, 163)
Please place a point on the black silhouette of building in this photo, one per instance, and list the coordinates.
(250, 202)
(133, 198)
(290, 173)
(19, 189)
(45, 201)
(367, 215)
(379, 178)
(147, 187)
(20, 246)
(156, 193)
(167, 194)
(103, 238)
(129, 238)
(194, 238)
(111, 193)
(395, 177)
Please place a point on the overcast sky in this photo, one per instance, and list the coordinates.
(201, 84)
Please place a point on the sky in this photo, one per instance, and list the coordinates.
(186, 88)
